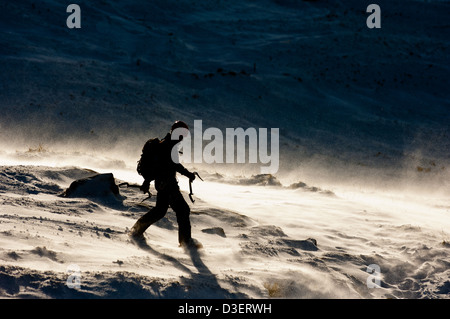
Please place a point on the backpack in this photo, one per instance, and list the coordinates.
(149, 163)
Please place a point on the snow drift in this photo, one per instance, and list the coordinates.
(287, 243)
(351, 103)
(364, 148)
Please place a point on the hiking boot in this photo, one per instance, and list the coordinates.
(191, 244)
(137, 231)
(137, 237)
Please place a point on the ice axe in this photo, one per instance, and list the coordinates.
(190, 187)
(140, 187)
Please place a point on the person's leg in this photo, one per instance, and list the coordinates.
(182, 211)
(153, 215)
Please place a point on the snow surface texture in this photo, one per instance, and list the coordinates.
(286, 243)
(349, 101)
(364, 147)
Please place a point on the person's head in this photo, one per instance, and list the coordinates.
(180, 128)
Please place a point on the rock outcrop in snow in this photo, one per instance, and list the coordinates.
(99, 187)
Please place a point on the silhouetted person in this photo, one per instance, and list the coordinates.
(169, 193)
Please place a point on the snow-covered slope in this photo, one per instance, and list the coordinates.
(346, 98)
(285, 243)
(364, 146)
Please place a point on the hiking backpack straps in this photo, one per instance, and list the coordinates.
(148, 163)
